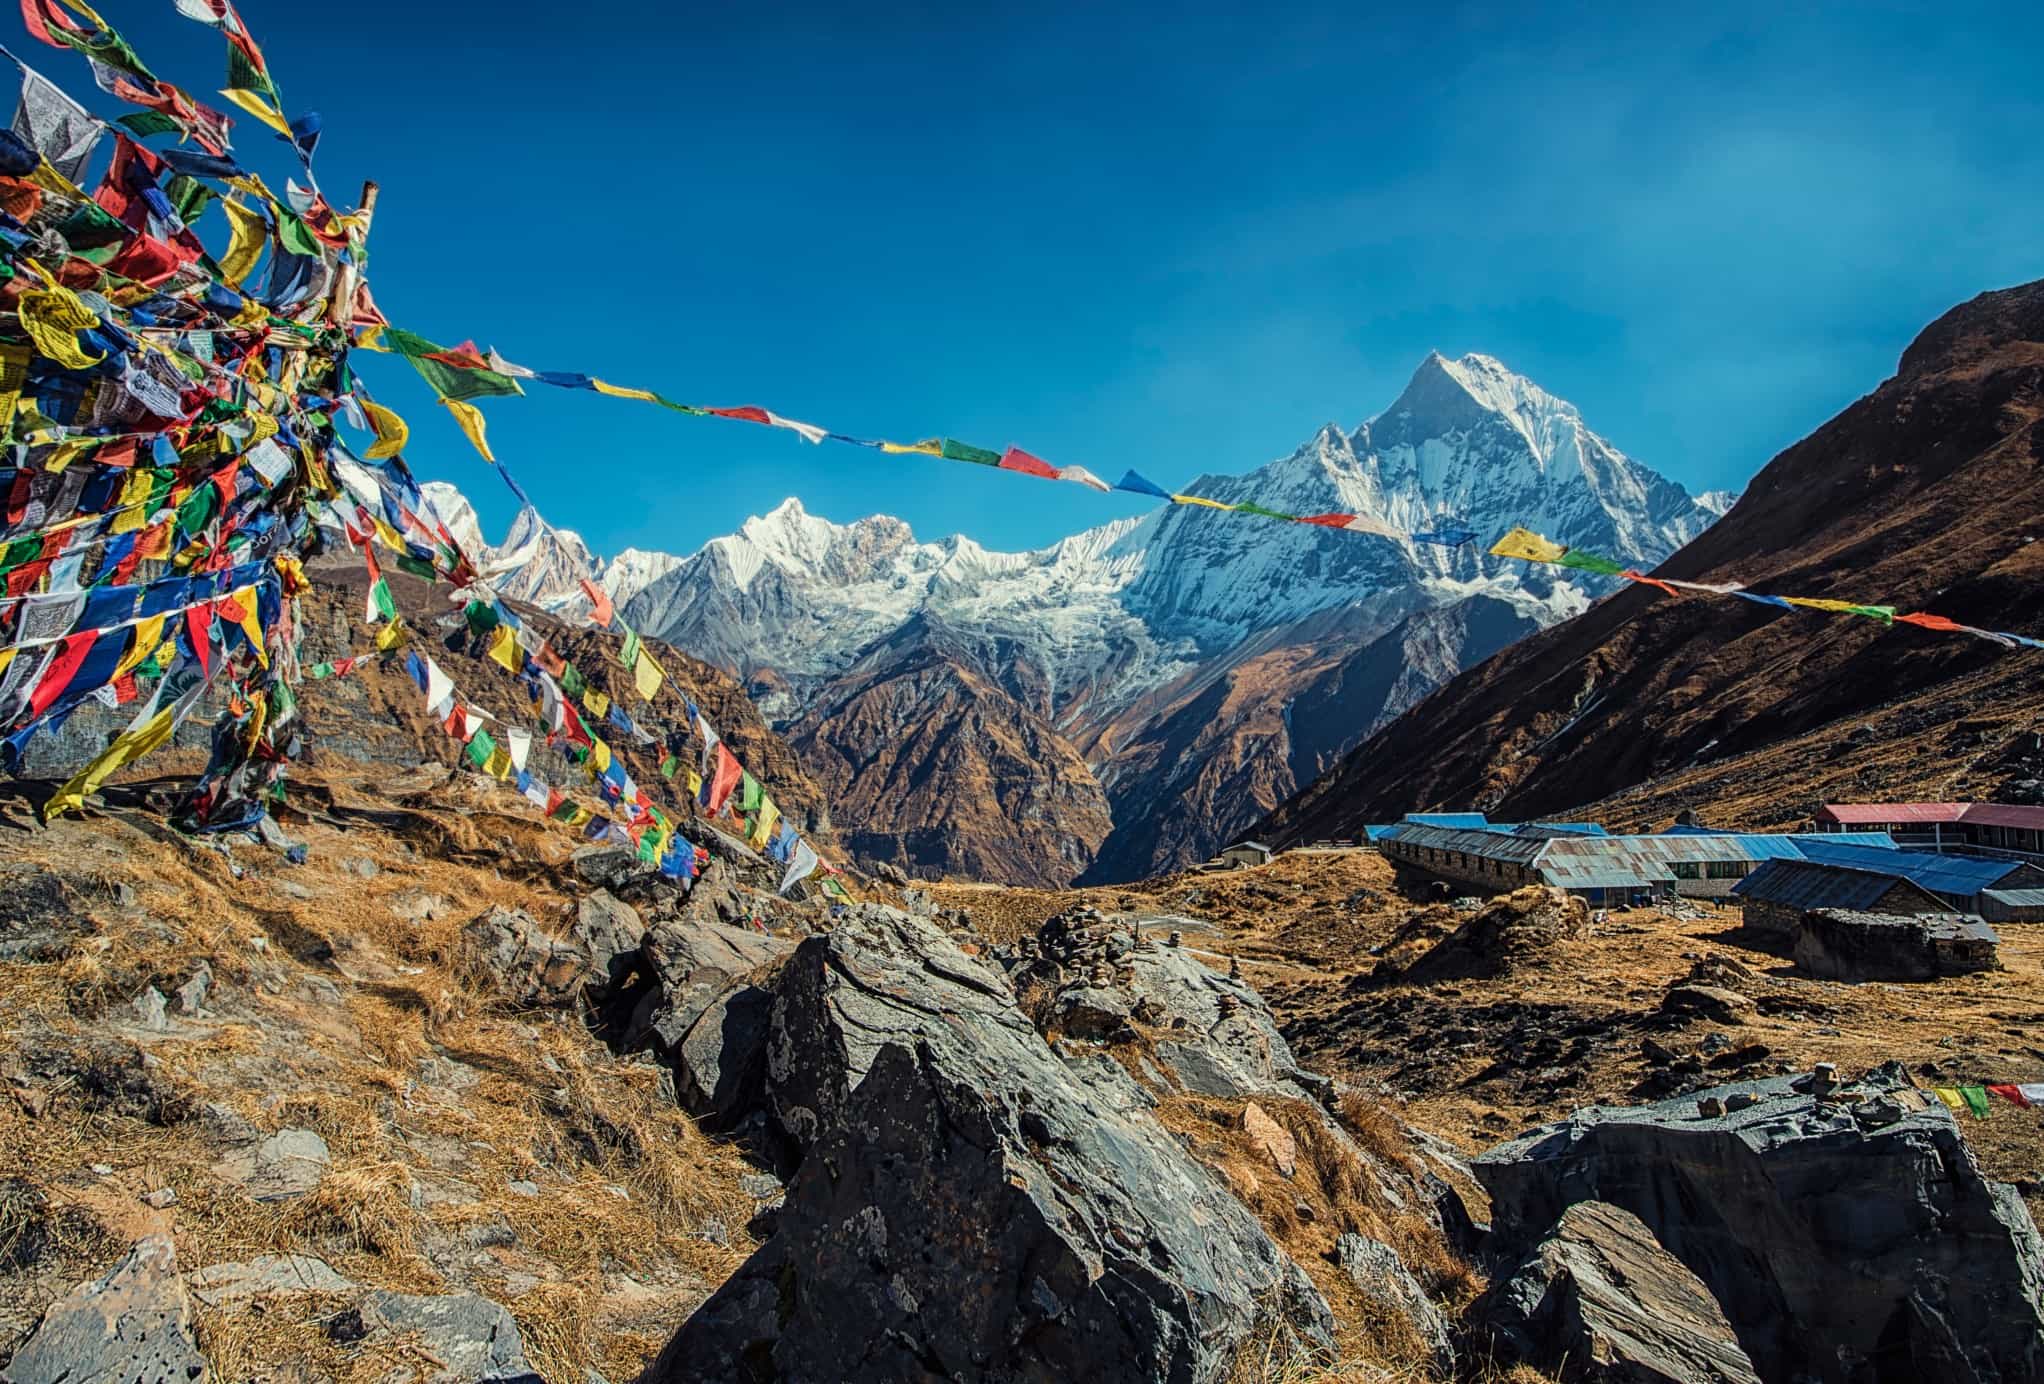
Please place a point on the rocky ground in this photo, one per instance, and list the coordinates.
(453, 1099)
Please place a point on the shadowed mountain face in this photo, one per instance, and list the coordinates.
(1927, 494)
(1170, 678)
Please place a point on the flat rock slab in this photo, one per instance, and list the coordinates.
(288, 1164)
(264, 1274)
(1601, 1301)
(474, 1339)
(1380, 1275)
(134, 1326)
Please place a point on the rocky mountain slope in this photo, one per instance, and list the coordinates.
(1926, 494)
(1200, 667)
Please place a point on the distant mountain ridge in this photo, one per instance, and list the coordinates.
(1197, 667)
(1927, 494)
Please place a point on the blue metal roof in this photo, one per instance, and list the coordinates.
(1680, 829)
(1955, 876)
(1466, 821)
(1806, 884)
(1573, 828)
(1378, 833)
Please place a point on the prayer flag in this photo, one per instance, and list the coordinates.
(471, 420)
(1015, 459)
(1950, 1096)
(391, 431)
(2008, 1093)
(599, 605)
(1976, 1100)
(803, 864)
(1591, 562)
(725, 780)
(647, 676)
(1528, 546)
(954, 450)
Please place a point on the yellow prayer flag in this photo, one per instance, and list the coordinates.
(763, 826)
(386, 535)
(1526, 544)
(148, 639)
(251, 625)
(931, 448)
(263, 426)
(1199, 500)
(647, 675)
(130, 519)
(499, 765)
(255, 105)
(127, 747)
(620, 392)
(504, 649)
(581, 817)
(1812, 603)
(471, 419)
(1950, 1096)
(695, 783)
(597, 702)
(245, 241)
(391, 432)
(392, 635)
(53, 317)
(599, 757)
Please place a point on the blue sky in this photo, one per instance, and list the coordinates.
(1177, 238)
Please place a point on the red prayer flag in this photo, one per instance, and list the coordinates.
(1015, 459)
(1932, 622)
(747, 414)
(62, 668)
(462, 357)
(2009, 1094)
(725, 780)
(1328, 521)
(600, 609)
(199, 623)
(1645, 580)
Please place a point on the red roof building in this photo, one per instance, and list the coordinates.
(1993, 826)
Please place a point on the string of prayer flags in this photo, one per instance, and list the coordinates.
(1527, 546)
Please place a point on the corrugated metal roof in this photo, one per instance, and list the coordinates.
(1491, 845)
(1593, 878)
(1961, 876)
(1879, 839)
(1464, 820)
(1380, 832)
(1572, 828)
(1873, 813)
(1806, 884)
(2015, 898)
(2004, 815)
(1682, 829)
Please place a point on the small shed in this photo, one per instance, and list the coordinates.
(2012, 905)
(1246, 853)
(1845, 944)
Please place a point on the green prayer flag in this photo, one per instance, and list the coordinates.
(649, 846)
(1976, 1100)
(669, 767)
(481, 616)
(142, 124)
(1590, 562)
(481, 748)
(571, 682)
(1266, 513)
(417, 566)
(188, 197)
(965, 451)
(630, 654)
(564, 811)
(451, 381)
(749, 794)
(321, 670)
(380, 594)
(1885, 614)
(296, 235)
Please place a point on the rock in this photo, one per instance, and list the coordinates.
(265, 1274)
(288, 1164)
(191, 995)
(418, 906)
(133, 1326)
(1711, 1002)
(890, 873)
(1599, 1300)
(507, 951)
(521, 1188)
(701, 1012)
(612, 867)
(1840, 944)
(1376, 1269)
(969, 1206)
(1825, 1242)
(1272, 1139)
(149, 1008)
(361, 867)
(1092, 1011)
(760, 1186)
(608, 932)
(472, 1338)
(160, 1198)
(225, 1126)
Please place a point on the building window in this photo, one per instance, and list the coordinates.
(1688, 869)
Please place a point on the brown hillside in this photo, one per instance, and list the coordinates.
(1926, 494)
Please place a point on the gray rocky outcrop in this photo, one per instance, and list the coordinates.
(474, 1340)
(970, 1206)
(1841, 944)
(1599, 1301)
(507, 951)
(290, 1163)
(134, 1326)
(1848, 1235)
(700, 1009)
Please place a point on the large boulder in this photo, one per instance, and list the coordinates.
(472, 1340)
(701, 1011)
(134, 1325)
(507, 951)
(1848, 1235)
(1381, 1276)
(1600, 1301)
(608, 932)
(969, 1206)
